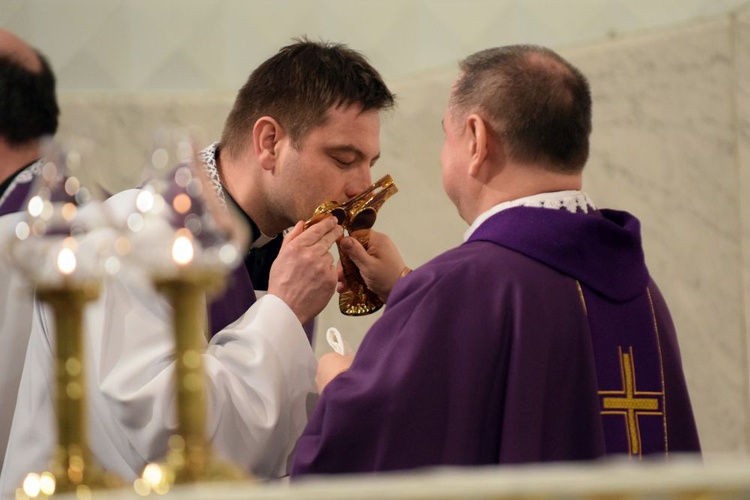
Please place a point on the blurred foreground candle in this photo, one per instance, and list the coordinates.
(53, 248)
(187, 243)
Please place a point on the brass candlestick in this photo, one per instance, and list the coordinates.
(73, 466)
(189, 457)
(357, 216)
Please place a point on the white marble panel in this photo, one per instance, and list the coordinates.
(86, 41)
(123, 126)
(663, 147)
(202, 44)
(742, 82)
(173, 44)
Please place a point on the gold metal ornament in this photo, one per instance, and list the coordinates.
(73, 467)
(357, 216)
(189, 456)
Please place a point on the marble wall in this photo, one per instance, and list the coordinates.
(145, 45)
(741, 119)
(671, 144)
(665, 147)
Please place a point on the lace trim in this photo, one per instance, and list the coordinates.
(30, 172)
(24, 177)
(572, 201)
(208, 157)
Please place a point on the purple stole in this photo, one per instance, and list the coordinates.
(623, 326)
(630, 373)
(232, 302)
(236, 298)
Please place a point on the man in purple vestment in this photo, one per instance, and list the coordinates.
(541, 338)
(28, 112)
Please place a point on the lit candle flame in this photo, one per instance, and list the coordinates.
(153, 474)
(36, 205)
(66, 261)
(153, 479)
(145, 201)
(72, 185)
(22, 230)
(182, 250)
(68, 211)
(181, 203)
(47, 483)
(31, 485)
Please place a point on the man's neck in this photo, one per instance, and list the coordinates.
(521, 181)
(13, 159)
(237, 179)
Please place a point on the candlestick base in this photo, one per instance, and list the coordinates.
(73, 467)
(59, 480)
(189, 457)
(186, 464)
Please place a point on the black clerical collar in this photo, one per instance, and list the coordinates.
(257, 238)
(7, 182)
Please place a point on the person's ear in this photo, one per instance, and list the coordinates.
(478, 136)
(267, 133)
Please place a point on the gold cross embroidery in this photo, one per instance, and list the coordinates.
(630, 402)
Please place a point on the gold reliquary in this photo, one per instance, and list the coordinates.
(357, 216)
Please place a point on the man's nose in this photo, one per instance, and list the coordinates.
(361, 180)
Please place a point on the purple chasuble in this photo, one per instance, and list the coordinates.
(628, 320)
(542, 338)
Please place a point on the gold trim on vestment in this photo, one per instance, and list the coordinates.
(661, 371)
(630, 407)
(631, 403)
(583, 300)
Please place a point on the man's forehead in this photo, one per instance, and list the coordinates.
(348, 129)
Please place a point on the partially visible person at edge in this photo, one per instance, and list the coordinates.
(541, 338)
(28, 113)
(304, 129)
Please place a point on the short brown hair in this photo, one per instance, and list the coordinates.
(535, 100)
(28, 105)
(298, 86)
